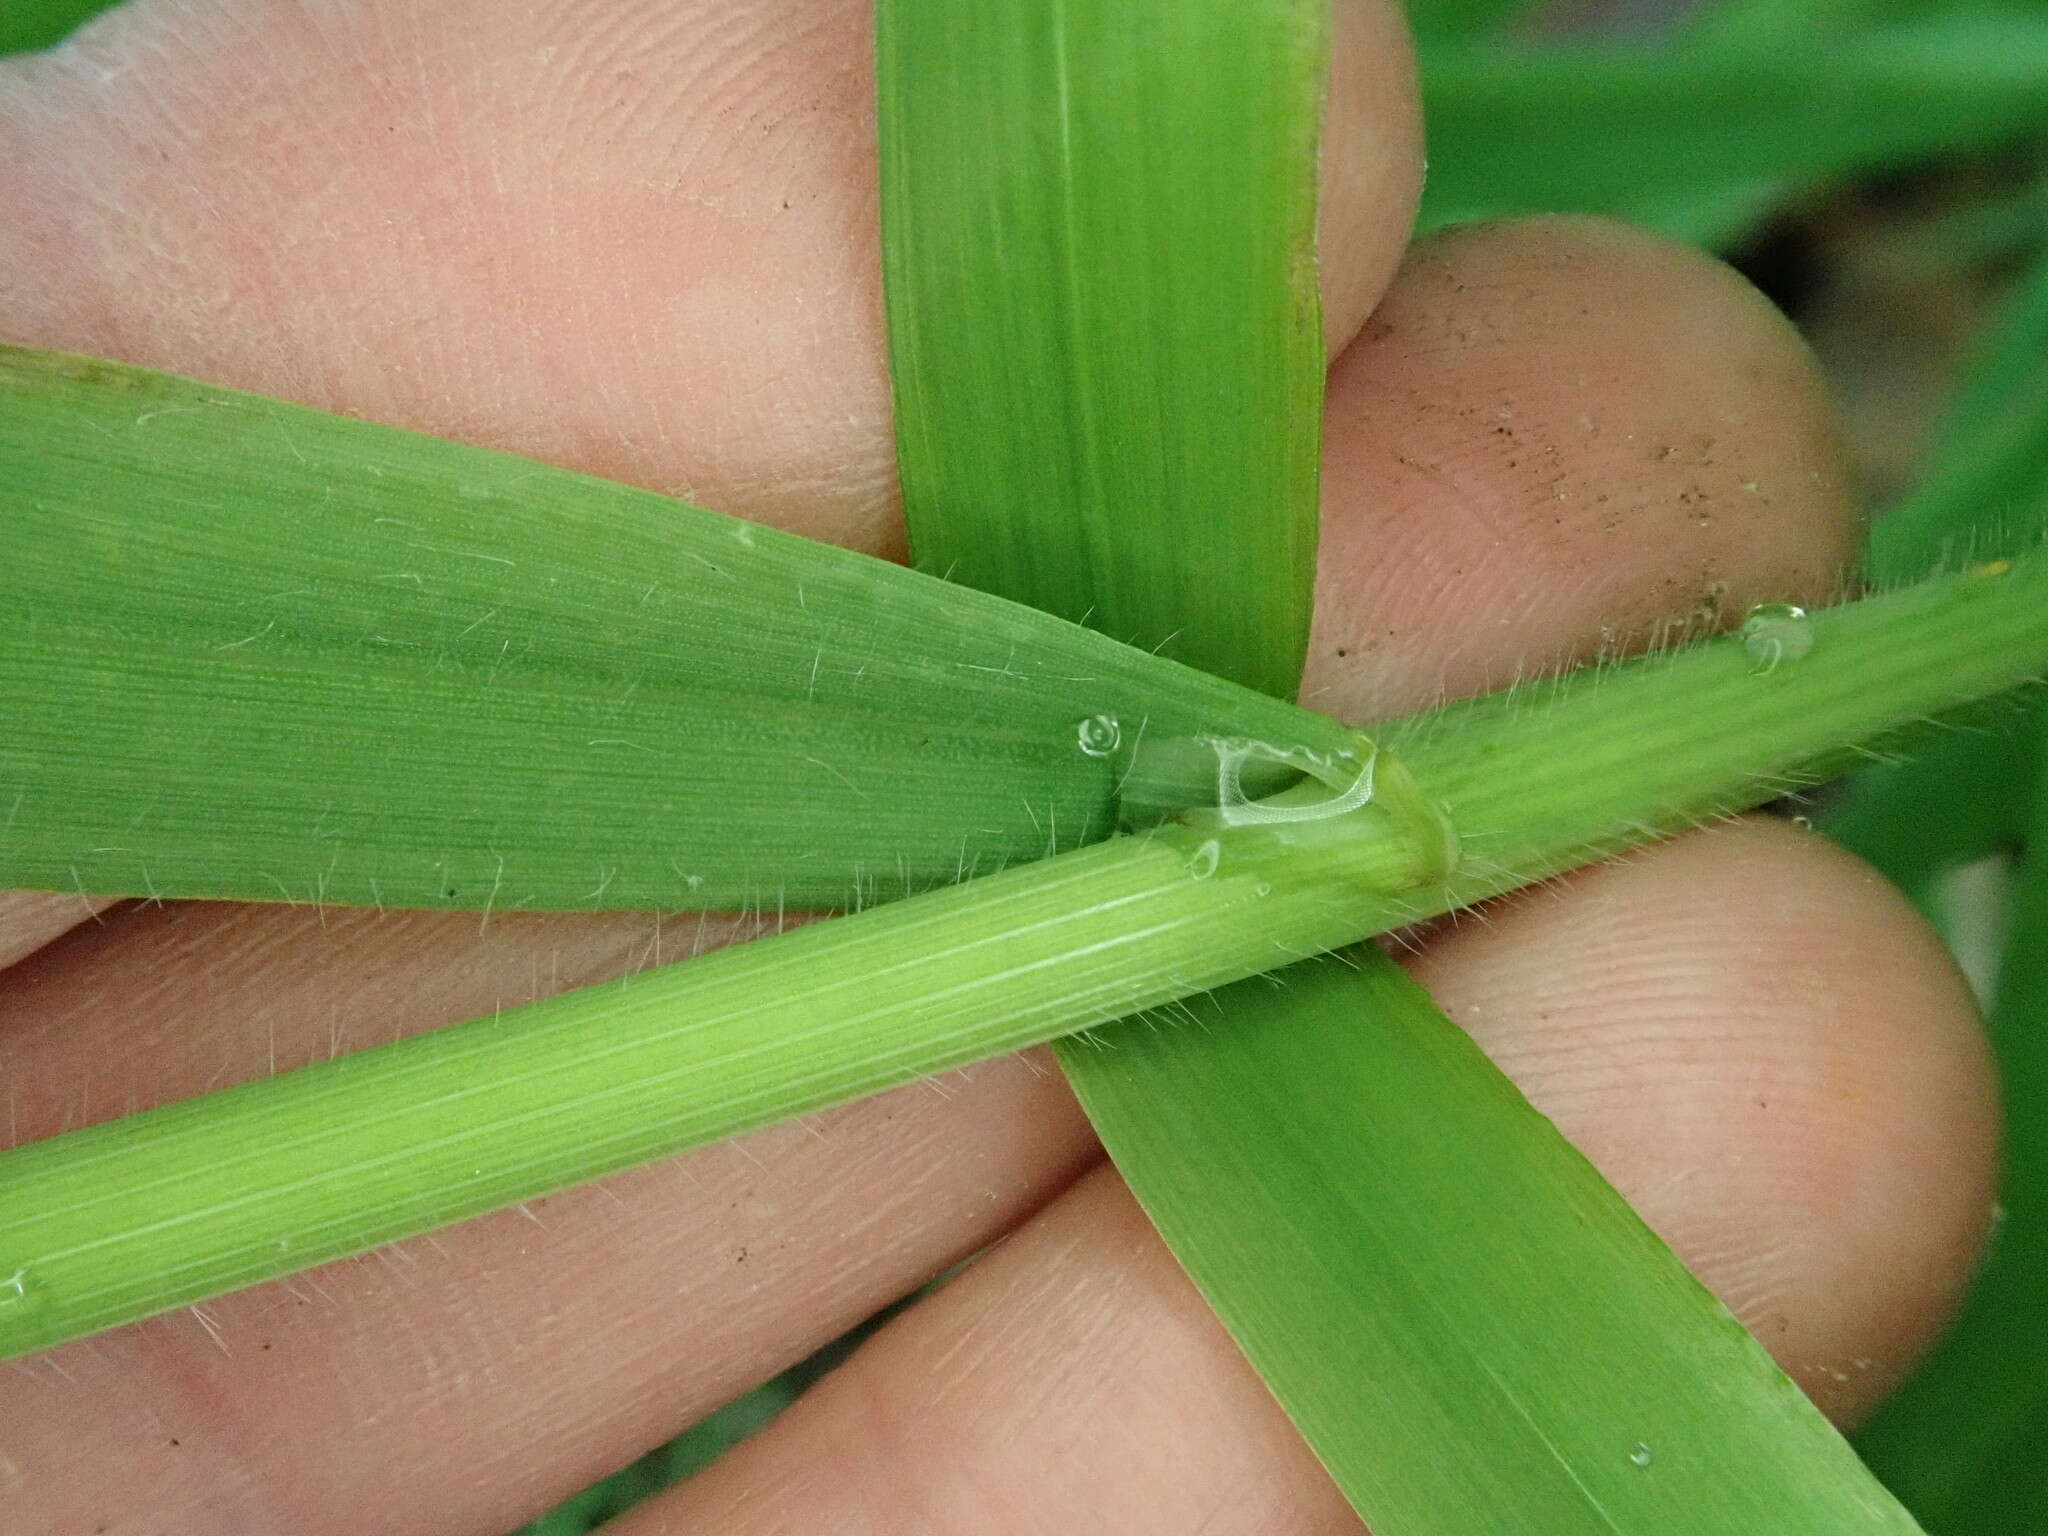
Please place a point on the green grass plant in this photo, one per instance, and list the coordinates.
(353, 665)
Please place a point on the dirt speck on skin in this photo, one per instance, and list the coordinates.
(1712, 601)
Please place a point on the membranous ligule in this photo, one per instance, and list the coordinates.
(1236, 784)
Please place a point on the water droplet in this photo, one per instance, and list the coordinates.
(1203, 861)
(1263, 888)
(16, 1289)
(1641, 1455)
(1099, 735)
(743, 535)
(1804, 823)
(1775, 633)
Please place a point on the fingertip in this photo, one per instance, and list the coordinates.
(1559, 437)
(1371, 162)
(1771, 1055)
(31, 919)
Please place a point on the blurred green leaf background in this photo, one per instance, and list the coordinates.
(1880, 169)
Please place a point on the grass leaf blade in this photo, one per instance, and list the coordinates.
(1963, 1442)
(1097, 217)
(1436, 1402)
(1985, 492)
(1509, 1351)
(264, 652)
(1673, 137)
(30, 24)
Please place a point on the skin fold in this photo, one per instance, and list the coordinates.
(638, 238)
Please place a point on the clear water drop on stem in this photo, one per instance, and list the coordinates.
(1774, 634)
(1203, 861)
(1099, 735)
(1641, 1456)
